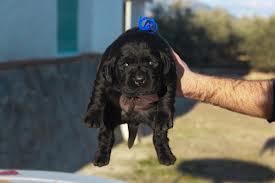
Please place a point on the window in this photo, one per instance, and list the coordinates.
(67, 14)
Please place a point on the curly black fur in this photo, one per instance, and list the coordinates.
(137, 63)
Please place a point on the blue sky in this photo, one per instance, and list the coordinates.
(240, 7)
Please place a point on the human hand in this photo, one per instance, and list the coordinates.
(182, 73)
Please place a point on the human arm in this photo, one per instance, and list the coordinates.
(254, 98)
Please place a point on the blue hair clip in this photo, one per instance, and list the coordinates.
(147, 24)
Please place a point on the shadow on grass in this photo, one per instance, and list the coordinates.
(182, 106)
(226, 170)
(269, 145)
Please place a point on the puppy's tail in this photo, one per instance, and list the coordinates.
(132, 128)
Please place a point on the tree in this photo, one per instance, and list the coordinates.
(199, 37)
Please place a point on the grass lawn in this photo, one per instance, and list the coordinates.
(211, 145)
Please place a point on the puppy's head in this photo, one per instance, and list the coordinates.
(138, 63)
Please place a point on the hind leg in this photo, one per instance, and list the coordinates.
(163, 150)
(105, 143)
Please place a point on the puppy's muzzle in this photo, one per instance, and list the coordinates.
(139, 79)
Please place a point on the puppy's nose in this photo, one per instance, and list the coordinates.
(139, 79)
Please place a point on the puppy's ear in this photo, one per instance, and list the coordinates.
(108, 70)
(108, 63)
(167, 61)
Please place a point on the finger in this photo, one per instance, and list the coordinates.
(178, 59)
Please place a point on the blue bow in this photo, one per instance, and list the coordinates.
(147, 24)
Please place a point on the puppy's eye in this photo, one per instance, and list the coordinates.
(150, 63)
(125, 64)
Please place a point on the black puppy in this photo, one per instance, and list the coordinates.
(135, 83)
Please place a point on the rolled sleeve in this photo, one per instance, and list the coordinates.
(272, 119)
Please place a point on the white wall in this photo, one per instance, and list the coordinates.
(107, 23)
(85, 25)
(137, 11)
(28, 29)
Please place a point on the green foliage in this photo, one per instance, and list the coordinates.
(215, 38)
(259, 43)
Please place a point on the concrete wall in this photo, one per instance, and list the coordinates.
(28, 29)
(40, 117)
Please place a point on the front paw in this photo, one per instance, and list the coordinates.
(101, 159)
(163, 121)
(167, 159)
(94, 119)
